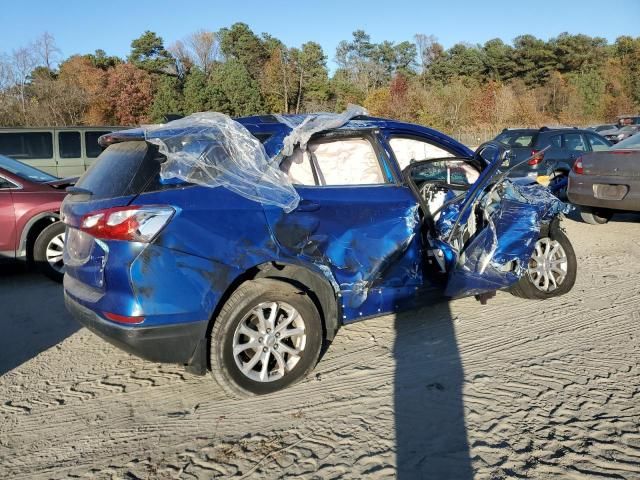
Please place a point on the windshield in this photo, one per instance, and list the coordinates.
(24, 171)
(627, 129)
(631, 143)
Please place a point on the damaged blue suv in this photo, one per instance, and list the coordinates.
(240, 246)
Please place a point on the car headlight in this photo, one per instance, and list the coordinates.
(620, 136)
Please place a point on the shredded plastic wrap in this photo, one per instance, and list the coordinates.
(304, 127)
(212, 149)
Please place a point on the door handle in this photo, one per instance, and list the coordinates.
(307, 206)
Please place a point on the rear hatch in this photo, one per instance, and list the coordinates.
(612, 163)
(115, 179)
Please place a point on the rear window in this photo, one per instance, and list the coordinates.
(126, 168)
(516, 139)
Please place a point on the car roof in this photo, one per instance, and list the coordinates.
(269, 125)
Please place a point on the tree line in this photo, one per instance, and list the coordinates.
(569, 79)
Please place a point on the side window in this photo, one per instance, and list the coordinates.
(407, 149)
(350, 161)
(555, 141)
(574, 142)
(69, 145)
(597, 144)
(91, 145)
(4, 183)
(26, 145)
(298, 168)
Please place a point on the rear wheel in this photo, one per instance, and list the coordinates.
(595, 216)
(552, 268)
(48, 250)
(267, 336)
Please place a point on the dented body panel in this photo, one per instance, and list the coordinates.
(368, 246)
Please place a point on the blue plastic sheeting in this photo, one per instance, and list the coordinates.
(497, 255)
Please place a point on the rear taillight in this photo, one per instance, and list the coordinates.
(577, 166)
(136, 224)
(536, 157)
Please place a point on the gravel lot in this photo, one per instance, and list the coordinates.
(515, 388)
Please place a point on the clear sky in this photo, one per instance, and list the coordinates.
(81, 26)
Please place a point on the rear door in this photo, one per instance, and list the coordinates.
(574, 144)
(7, 218)
(355, 221)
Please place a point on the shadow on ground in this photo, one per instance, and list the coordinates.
(32, 315)
(431, 437)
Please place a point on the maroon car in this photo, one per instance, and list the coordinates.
(30, 226)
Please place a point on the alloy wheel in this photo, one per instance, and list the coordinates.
(54, 253)
(269, 341)
(548, 265)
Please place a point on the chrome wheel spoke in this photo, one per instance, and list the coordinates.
(292, 332)
(245, 346)
(247, 367)
(249, 332)
(282, 365)
(264, 371)
(291, 351)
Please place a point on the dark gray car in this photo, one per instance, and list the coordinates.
(564, 146)
(602, 183)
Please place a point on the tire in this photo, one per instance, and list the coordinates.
(526, 286)
(47, 251)
(594, 216)
(241, 308)
(558, 184)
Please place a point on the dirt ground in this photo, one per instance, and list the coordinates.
(515, 388)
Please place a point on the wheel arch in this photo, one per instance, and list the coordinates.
(32, 229)
(313, 283)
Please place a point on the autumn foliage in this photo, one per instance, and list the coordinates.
(570, 79)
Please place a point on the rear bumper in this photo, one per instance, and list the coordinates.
(581, 191)
(174, 343)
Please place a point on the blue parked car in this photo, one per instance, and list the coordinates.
(240, 247)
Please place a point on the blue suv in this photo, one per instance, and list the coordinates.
(240, 247)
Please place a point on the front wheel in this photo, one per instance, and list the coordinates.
(48, 251)
(267, 336)
(552, 268)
